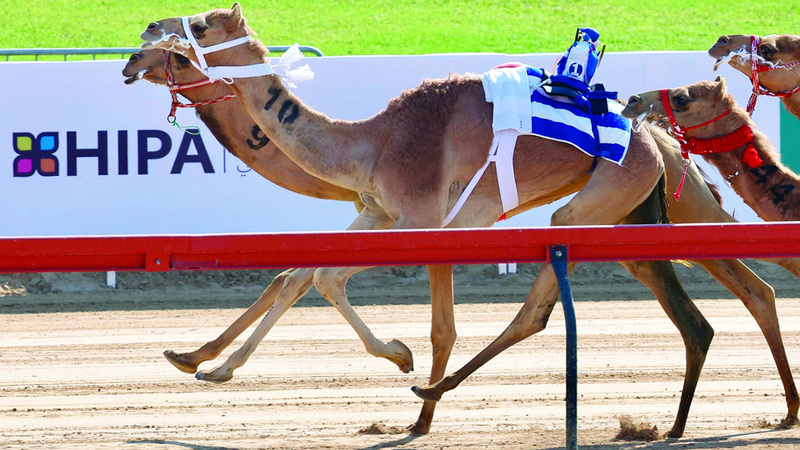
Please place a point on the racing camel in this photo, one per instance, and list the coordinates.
(772, 63)
(410, 161)
(231, 125)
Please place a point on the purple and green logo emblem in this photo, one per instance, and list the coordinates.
(35, 154)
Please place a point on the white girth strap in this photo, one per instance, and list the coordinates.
(502, 154)
(224, 73)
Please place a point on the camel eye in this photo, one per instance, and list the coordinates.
(680, 101)
(181, 59)
(198, 30)
(767, 51)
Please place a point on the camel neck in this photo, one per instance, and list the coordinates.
(772, 189)
(335, 151)
(238, 133)
(792, 104)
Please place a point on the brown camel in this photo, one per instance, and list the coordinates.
(409, 163)
(772, 63)
(233, 127)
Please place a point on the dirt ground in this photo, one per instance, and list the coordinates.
(84, 367)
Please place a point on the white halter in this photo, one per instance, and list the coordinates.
(228, 73)
(224, 73)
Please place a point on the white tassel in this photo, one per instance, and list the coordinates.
(300, 74)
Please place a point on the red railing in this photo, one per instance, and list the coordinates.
(354, 248)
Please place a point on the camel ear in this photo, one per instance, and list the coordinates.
(235, 17)
(720, 89)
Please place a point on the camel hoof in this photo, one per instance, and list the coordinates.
(418, 429)
(179, 361)
(673, 434)
(401, 355)
(215, 378)
(426, 394)
(788, 422)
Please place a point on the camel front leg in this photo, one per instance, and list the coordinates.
(443, 336)
(295, 286)
(759, 298)
(330, 282)
(532, 318)
(188, 362)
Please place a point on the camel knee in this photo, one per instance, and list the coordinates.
(295, 281)
(329, 283)
(525, 326)
(443, 341)
(562, 216)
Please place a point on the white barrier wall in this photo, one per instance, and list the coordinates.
(83, 154)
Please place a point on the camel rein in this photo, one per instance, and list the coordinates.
(757, 69)
(174, 88)
(721, 144)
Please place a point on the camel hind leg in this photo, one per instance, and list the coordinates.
(759, 299)
(331, 282)
(660, 277)
(695, 331)
(790, 264)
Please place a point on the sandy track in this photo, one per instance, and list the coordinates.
(98, 380)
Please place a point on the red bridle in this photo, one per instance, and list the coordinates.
(721, 144)
(174, 88)
(757, 69)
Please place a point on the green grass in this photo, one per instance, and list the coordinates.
(412, 27)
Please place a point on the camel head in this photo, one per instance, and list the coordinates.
(691, 105)
(772, 51)
(734, 50)
(149, 65)
(207, 29)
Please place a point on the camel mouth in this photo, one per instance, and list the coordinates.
(172, 42)
(136, 77)
(637, 118)
(637, 121)
(742, 54)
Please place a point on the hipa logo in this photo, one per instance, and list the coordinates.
(37, 153)
(576, 70)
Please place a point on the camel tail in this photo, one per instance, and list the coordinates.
(661, 187)
(653, 210)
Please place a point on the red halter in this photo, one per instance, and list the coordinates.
(757, 69)
(174, 88)
(721, 144)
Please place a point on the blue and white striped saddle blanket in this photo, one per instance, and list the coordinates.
(522, 105)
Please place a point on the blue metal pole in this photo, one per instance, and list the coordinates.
(559, 260)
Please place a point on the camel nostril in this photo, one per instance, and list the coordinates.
(633, 100)
(723, 40)
(152, 26)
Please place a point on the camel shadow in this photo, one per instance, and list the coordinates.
(180, 444)
(394, 443)
(717, 442)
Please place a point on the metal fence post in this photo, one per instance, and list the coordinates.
(559, 260)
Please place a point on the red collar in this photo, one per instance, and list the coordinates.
(720, 144)
(680, 132)
(174, 88)
(757, 69)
